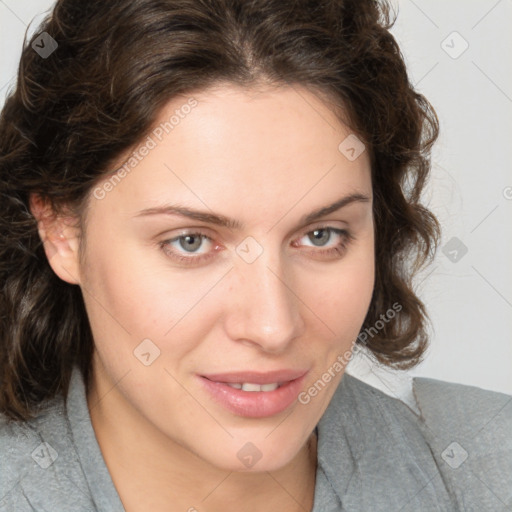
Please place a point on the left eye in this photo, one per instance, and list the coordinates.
(321, 236)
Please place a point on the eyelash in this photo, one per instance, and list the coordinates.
(346, 238)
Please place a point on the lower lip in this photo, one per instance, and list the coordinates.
(255, 404)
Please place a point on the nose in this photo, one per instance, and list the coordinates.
(263, 306)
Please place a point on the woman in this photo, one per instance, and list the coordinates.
(206, 208)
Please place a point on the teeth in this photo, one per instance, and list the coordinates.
(269, 387)
(247, 386)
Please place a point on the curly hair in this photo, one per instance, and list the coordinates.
(98, 94)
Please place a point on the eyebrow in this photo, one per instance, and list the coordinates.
(221, 220)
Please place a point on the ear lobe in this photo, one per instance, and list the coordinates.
(60, 240)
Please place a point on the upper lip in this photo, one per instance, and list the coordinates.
(256, 377)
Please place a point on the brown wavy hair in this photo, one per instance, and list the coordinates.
(99, 93)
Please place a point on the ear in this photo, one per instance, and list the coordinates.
(60, 239)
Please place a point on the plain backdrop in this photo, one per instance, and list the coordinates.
(456, 52)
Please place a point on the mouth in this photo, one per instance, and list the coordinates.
(255, 395)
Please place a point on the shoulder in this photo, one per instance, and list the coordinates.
(19, 444)
(460, 405)
(444, 406)
(469, 429)
(455, 445)
(38, 461)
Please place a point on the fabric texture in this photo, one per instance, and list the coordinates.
(374, 453)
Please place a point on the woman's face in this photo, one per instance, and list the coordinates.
(275, 291)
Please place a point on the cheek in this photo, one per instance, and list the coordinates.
(133, 297)
(341, 296)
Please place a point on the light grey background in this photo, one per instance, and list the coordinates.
(469, 300)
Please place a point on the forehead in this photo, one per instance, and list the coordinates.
(248, 148)
(255, 116)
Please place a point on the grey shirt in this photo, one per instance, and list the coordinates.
(374, 453)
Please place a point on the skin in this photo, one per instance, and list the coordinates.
(265, 158)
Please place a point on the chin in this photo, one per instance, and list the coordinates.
(252, 457)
